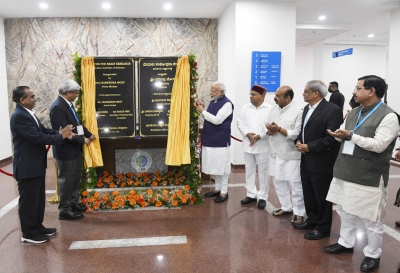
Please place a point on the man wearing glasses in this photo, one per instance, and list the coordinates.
(216, 140)
(68, 155)
(361, 171)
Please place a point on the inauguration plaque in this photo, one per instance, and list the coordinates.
(156, 78)
(115, 96)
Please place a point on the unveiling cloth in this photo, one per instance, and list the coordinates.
(364, 201)
(216, 160)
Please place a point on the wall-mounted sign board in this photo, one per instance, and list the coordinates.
(266, 69)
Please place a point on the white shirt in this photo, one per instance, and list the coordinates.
(33, 115)
(253, 120)
(360, 200)
(222, 114)
(289, 118)
(308, 115)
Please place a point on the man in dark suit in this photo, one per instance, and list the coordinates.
(29, 139)
(319, 151)
(68, 154)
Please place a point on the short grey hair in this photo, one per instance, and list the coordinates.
(68, 85)
(220, 85)
(316, 85)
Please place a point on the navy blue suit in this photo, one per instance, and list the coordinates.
(68, 154)
(316, 168)
(29, 165)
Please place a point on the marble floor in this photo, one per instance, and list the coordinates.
(226, 237)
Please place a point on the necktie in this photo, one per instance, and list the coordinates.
(307, 117)
(73, 112)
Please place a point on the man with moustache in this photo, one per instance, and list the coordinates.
(29, 139)
(336, 97)
(361, 171)
(251, 124)
(68, 154)
(216, 140)
(318, 153)
(284, 125)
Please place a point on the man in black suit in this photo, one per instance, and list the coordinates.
(319, 151)
(336, 97)
(68, 154)
(29, 139)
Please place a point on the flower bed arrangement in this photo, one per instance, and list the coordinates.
(185, 184)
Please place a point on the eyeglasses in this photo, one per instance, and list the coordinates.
(75, 92)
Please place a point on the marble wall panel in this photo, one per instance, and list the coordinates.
(38, 50)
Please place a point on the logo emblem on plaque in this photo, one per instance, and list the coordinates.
(141, 161)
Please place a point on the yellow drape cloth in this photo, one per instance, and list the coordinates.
(92, 153)
(178, 145)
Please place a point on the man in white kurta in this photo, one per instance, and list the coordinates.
(251, 123)
(284, 125)
(361, 171)
(216, 140)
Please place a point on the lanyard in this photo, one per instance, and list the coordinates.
(370, 113)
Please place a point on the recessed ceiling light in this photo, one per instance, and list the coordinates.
(322, 17)
(106, 6)
(167, 6)
(370, 35)
(43, 5)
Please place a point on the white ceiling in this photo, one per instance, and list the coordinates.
(347, 21)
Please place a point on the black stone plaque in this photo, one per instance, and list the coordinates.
(115, 105)
(156, 77)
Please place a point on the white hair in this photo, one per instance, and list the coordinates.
(316, 85)
(68, 85)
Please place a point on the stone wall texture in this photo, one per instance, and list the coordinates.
(38, 50)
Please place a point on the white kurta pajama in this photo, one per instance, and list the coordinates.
(216, 160)
(357, 202)
(284, 160)
(252, 120)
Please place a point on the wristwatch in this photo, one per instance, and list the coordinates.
(349, 136)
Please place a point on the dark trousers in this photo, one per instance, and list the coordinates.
(69, 177)
(32, 201)
(315, 190)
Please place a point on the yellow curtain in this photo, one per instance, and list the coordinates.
(92, 153)
(178, 145)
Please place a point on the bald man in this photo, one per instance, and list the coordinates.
(284, 125)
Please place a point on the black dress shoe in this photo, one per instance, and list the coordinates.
(49, 231)
(212, 194)
(248, 200)
(316, 235)
(78, 208)
(397, 223)
(303, 225)
(221, 198)
(70, 215)
(338, 248)
(262, 204)
(369, 264)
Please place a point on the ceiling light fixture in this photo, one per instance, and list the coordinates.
(106, 6)
(322, 17)
(370, 35)
(167, 6)
(43, 5)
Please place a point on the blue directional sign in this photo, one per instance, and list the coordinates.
(266, 69)
(343, 52)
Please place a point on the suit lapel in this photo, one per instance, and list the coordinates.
(30, 116)
(317, 111)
